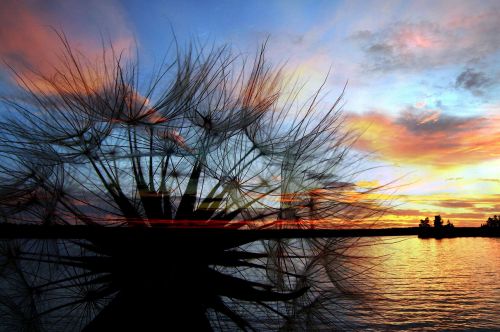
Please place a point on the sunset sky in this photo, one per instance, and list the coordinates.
(423, 76)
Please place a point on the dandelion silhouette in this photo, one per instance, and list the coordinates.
(171, 180)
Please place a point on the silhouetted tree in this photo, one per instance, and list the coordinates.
(424, 222)
(438, 221)
(492, 222)
(210, 140)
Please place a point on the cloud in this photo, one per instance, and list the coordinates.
(427, 44)
(462, 211)
(432, 121)
(24, 37)
(456, 204)
(454, 179)
(28, 41)
(401, 46)
(362, 35)
(489, 180)
(428, 137)
(495, 209)
(474, 81)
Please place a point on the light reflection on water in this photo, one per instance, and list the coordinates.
(429, 285)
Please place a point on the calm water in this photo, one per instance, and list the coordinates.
(431, 285)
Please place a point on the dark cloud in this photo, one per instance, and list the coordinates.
(421, 121)
(361, 35)
(474, 81)
(381, 49)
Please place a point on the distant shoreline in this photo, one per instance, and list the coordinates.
(12, 231)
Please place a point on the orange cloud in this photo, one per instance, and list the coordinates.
(464, 211)
(432, 116)
(29, 43)
(429, 138)
(24, 37)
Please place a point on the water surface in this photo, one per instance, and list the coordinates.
(430, 285)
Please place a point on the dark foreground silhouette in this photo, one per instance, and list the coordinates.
(150, 279)
(155, 278)
(167, 281)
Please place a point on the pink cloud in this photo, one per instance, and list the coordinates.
(28, 38)
(453, 38)
(431, 116)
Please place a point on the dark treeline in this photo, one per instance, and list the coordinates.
(440, 230)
